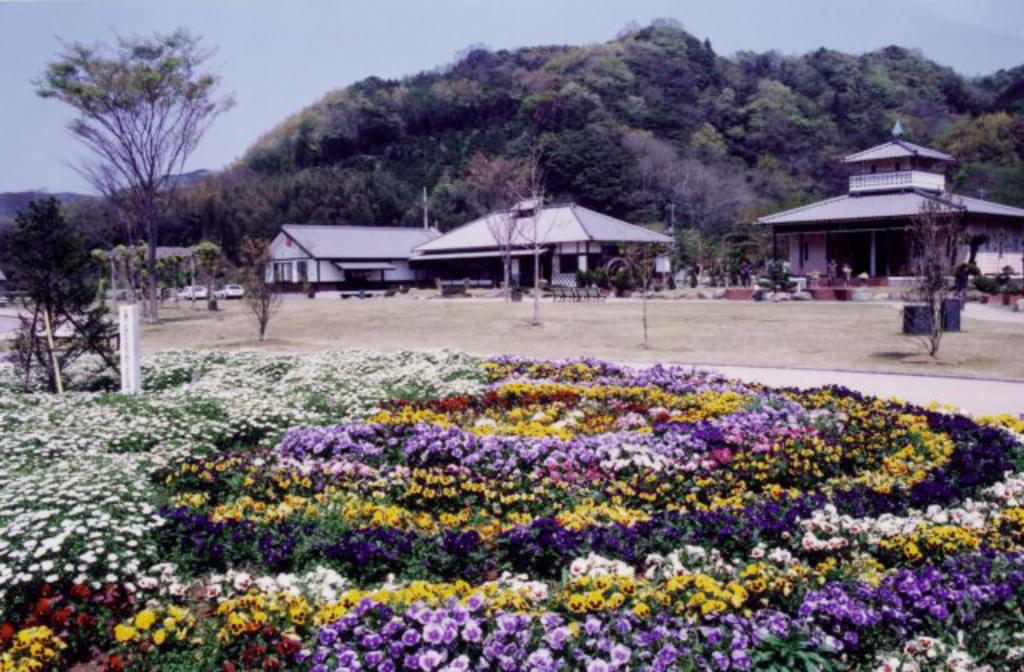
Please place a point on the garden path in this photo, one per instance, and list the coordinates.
(976, 396)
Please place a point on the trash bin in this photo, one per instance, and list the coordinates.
(951, 314)
(917, 319)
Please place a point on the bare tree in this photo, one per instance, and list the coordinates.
(498, 182)
(640, 259)
(142, 108)
(934, 232)
(262, 297)
(531, 230)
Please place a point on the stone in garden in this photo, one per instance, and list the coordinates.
(781, 296)
(801, 296)
(1019, 306)
(861, 295)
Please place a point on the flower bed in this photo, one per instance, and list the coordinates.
(432, 512)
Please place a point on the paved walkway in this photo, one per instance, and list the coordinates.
(979, 397)
(989, 313)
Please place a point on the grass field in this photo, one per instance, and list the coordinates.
(814, 335)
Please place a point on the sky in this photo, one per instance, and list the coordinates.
(277, 57)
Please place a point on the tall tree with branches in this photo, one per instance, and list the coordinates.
(142, 107)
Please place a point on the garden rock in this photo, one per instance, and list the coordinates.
(781, 296)
(861, 295)
(1019, 306)
(801, 296)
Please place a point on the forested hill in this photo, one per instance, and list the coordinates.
(650, 118)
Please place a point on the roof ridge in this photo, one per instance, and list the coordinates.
(601, 214)
(359, 226)
(869, 149)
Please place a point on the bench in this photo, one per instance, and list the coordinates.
(560, 293)
(360, 293)
(453, 290)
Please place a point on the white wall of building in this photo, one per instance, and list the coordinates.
(1004, 248)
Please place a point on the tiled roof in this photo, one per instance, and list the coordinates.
(896, 149)
(881, 206)
(326, 241)
(557, 224)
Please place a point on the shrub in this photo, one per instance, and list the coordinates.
(986, 284)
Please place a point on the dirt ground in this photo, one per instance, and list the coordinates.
(841, 336)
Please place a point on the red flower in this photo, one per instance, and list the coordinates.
(115, 663)
(85, 620)
(287, 646)
(81, 591)
(42, 606)
(61, 616)
(229, 666)
(6, 632)
(271, 664)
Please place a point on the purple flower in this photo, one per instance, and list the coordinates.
(620, 655)
(411, 637)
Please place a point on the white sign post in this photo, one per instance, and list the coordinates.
(131, 370)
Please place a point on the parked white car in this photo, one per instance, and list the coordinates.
(193, 292)
(230, 292)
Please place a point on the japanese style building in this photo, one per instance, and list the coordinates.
(867, 226)
(344, 258)
(571, 238)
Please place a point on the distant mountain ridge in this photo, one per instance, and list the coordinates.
(11, 202)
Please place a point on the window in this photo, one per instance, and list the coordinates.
(283, 271)
(569, 263)
(874, 169)
(807, 251)
(302, 271)
(899, 166)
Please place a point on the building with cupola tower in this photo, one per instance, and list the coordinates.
(866, 228)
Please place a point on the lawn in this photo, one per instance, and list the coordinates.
(813, 335)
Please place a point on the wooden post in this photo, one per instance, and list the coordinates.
(131, 369)
(873, 261)
(48, 323)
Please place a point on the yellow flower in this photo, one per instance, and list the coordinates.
(124, 633)
(145, 619)
(159, 636)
